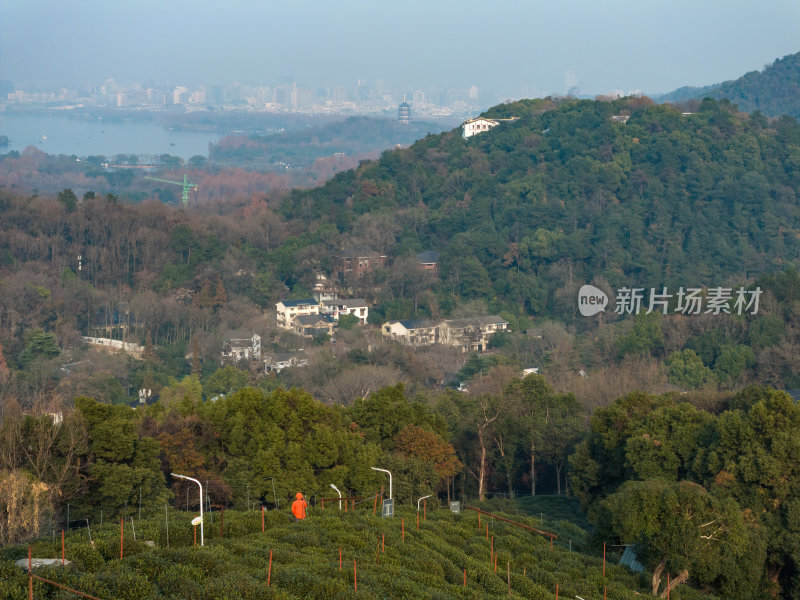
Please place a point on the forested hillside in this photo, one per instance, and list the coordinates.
(621, 194)
(772, 91)
(664, 199)
(523, 215)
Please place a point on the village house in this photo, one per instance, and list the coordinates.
(351, 306)
(412, 332)
(324, 289)
(241, 345)
(429, 261)
(288, 310)
(314, 325)
(275, 362)
(478, 125)
(471, 334)
(352, 264)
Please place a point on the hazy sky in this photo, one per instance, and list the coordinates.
(503, 47)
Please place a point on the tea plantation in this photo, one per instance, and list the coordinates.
(384, 558)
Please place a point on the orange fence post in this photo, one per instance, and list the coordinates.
(465, 578)
(383, 543)
(195, 536)
(121, 536)
(269, 570)
(355, 575)
(417, 521)
(556, 591)
(323, 504)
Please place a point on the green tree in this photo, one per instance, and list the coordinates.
(645, 338)
(732, 362)
(599, 465)
(685, 369)
(551, 422)
(122, 464)
(680, 527)
(348, 321)
(68, 198)
(39, 344)
(754, 461)
(225, 380)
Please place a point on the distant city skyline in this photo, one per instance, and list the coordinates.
(507, 49)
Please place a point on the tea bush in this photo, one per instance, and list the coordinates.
(429, 563)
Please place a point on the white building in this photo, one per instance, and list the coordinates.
(241, 345)
(134, 350)
(288, 310)
(346, 306)
(472, 334)
(480, 124)
(412, 332)
(468, 335)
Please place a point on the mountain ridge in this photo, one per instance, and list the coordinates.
(774, 91)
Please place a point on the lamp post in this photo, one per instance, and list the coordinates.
(200, 485)
(421, 499)
(390, 479)
(340, 495)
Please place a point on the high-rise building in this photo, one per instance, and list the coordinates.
(179, 94)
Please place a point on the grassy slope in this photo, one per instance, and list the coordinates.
(429, 564)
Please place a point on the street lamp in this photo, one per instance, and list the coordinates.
(201, 500)
(340, 495)
(421, 499)
(390, 479)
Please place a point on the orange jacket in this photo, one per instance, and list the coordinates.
(299, 507)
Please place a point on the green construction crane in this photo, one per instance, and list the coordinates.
(186, 187)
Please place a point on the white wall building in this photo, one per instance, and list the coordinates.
(480, 124)
(475, 126)
(288, 310)
(241, 345)
(346, 306)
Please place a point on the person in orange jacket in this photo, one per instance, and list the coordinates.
(299, 507)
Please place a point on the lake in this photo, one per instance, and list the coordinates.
(60, 134)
